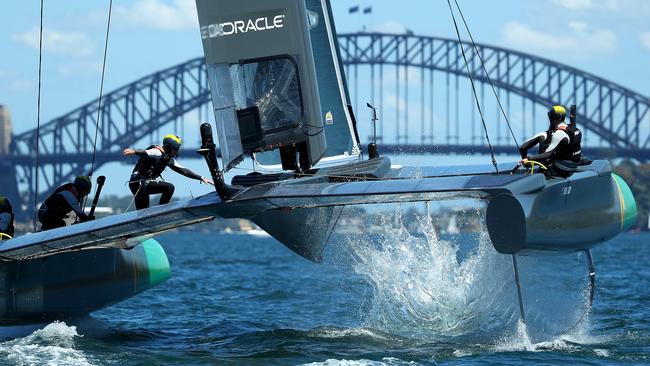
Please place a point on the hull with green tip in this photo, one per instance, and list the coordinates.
(78, 283)
(573, 214)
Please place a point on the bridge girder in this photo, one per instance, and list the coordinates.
(617, 116)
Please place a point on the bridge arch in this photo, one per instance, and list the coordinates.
(618, 116)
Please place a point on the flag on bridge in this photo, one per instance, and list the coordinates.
(354, 9)
(367, 10)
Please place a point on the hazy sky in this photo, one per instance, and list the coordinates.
(610, 38)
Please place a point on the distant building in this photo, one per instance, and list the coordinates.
(5, 129)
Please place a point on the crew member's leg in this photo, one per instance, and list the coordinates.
(140, 193)
(165, 189)
(49, 222)
(555, 171)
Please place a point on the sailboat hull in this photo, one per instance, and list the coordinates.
(571, 214)
(78, 283)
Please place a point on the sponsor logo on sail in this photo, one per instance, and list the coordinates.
(242, 26)
(329, 118)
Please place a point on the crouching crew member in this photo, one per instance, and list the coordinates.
(153, 161)
(64, 200)
(6, 219)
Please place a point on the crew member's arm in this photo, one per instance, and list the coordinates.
(175, 166)
(71, 200)
(530, 143)
(559, 138)
(5, 221)
(147, 152)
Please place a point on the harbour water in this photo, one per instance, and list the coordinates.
(247, 300)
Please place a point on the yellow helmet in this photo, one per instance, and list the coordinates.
(173, 142)
(557, 114)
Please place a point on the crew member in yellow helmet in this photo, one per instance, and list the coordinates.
(153, 161)
(6, 219)
(556, 148)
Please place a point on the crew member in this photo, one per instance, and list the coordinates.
(64, 200)
(557, 150)
(153, 161)
(6, 219)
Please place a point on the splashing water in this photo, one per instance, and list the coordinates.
(422, 289)
(519, 342)
(52, 345)
(387, 361)
(430, 288)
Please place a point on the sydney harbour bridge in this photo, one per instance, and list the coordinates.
(419, 85)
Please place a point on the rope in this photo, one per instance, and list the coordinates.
(38, 114)
(101, 86)
(533, 164)
(496, 95)
(471, 78)
(134, 196)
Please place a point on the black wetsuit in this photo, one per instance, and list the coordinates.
(148, 169)
(56, 208)
(543, 140)
(6, 220)
(567, 157)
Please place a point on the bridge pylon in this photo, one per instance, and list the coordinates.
(8, 183)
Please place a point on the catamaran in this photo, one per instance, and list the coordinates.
(280, 98)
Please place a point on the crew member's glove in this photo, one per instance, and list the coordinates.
(84, 218)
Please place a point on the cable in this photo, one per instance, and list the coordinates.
(38, 114)
(134, 196)
(101, 93)
(496, 95)
(471, 78)
(101, 87)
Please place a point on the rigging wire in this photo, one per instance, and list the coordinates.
(496, 95)
(101, 90)
(471, 78)
(38, 115)
(101, 86)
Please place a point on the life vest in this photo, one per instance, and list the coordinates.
(6, 209)
(571, 151)
(575, 147)
(567, 156)
(149, 167)
(56, 205)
